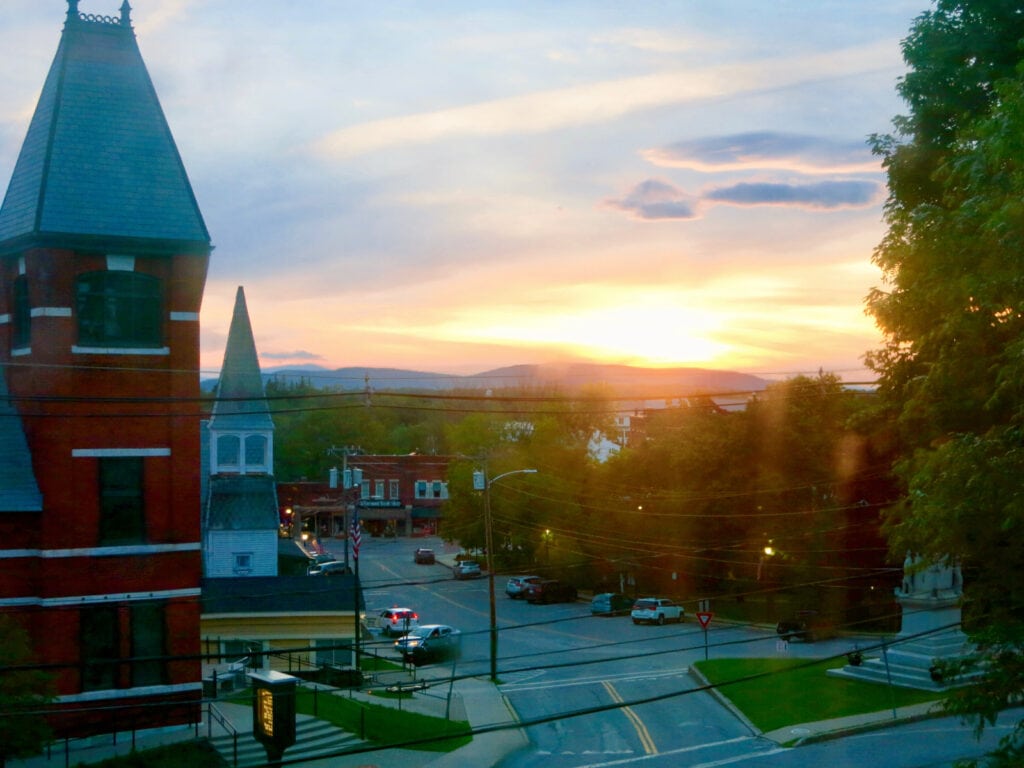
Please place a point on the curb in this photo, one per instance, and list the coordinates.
(873, 725)
(723, 700)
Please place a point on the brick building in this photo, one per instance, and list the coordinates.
(103, 260)
(396, 495)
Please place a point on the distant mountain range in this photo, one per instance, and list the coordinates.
(621, 379)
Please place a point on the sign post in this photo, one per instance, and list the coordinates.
(704, 617)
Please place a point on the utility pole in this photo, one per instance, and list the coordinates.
(482, 483)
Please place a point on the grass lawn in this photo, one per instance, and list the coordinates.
(786, 693)
(386, 725)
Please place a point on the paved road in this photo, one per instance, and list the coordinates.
(558, 660)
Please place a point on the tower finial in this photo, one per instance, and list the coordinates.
(72, 10)
(126, 12)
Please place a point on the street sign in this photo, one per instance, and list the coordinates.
(704, 617)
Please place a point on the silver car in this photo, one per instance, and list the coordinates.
(516, 587)
(430, 642)
(467, 569)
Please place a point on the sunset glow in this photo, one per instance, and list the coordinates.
(460, 187)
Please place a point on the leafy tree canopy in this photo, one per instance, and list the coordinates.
(23, 694)
(951, 310)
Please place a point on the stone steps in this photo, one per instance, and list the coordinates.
(313, 738)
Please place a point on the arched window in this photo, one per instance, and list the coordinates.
(255, 451)
(119, 309)
(228, 450)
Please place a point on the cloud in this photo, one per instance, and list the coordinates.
(299, 354)
(654, 200)
(591, 103)
(766, 149)
(820, 195)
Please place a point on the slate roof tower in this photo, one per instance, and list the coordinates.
(240, 513)
(103, 259)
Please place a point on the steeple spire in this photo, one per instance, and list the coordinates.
(241, 400)
(99, 169)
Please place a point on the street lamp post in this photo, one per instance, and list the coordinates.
(481, 481)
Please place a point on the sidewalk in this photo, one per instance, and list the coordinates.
(795, 735)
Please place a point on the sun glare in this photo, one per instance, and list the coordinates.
(656, 333)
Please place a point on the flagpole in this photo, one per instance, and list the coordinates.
(356, 536)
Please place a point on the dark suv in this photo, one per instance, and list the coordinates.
(550, 591)
(807, 626)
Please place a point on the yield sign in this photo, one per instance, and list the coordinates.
(704, 617)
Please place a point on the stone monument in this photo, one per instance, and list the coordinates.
(929, 597)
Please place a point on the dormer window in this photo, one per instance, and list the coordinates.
(119, 309)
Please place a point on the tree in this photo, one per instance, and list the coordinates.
(23, 694)
(952, 312)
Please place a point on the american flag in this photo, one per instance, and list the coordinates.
(355, 534)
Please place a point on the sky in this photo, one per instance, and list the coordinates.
(458, 186)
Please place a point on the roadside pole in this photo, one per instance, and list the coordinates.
(704, 617)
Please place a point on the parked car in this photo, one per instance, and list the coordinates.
(467, 569)
(330, 568)
(550, 591)
(611, 604)
(424, 556)
(317, 561)
(656, 610)
(807, 626)
(431, 642)
(394, 622)
(516, 587)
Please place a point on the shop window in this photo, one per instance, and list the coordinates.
(119, 309)
(122, 500)
(336, 652)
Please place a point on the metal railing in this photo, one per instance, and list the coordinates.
(215, 715)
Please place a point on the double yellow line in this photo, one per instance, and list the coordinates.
(638, 724)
